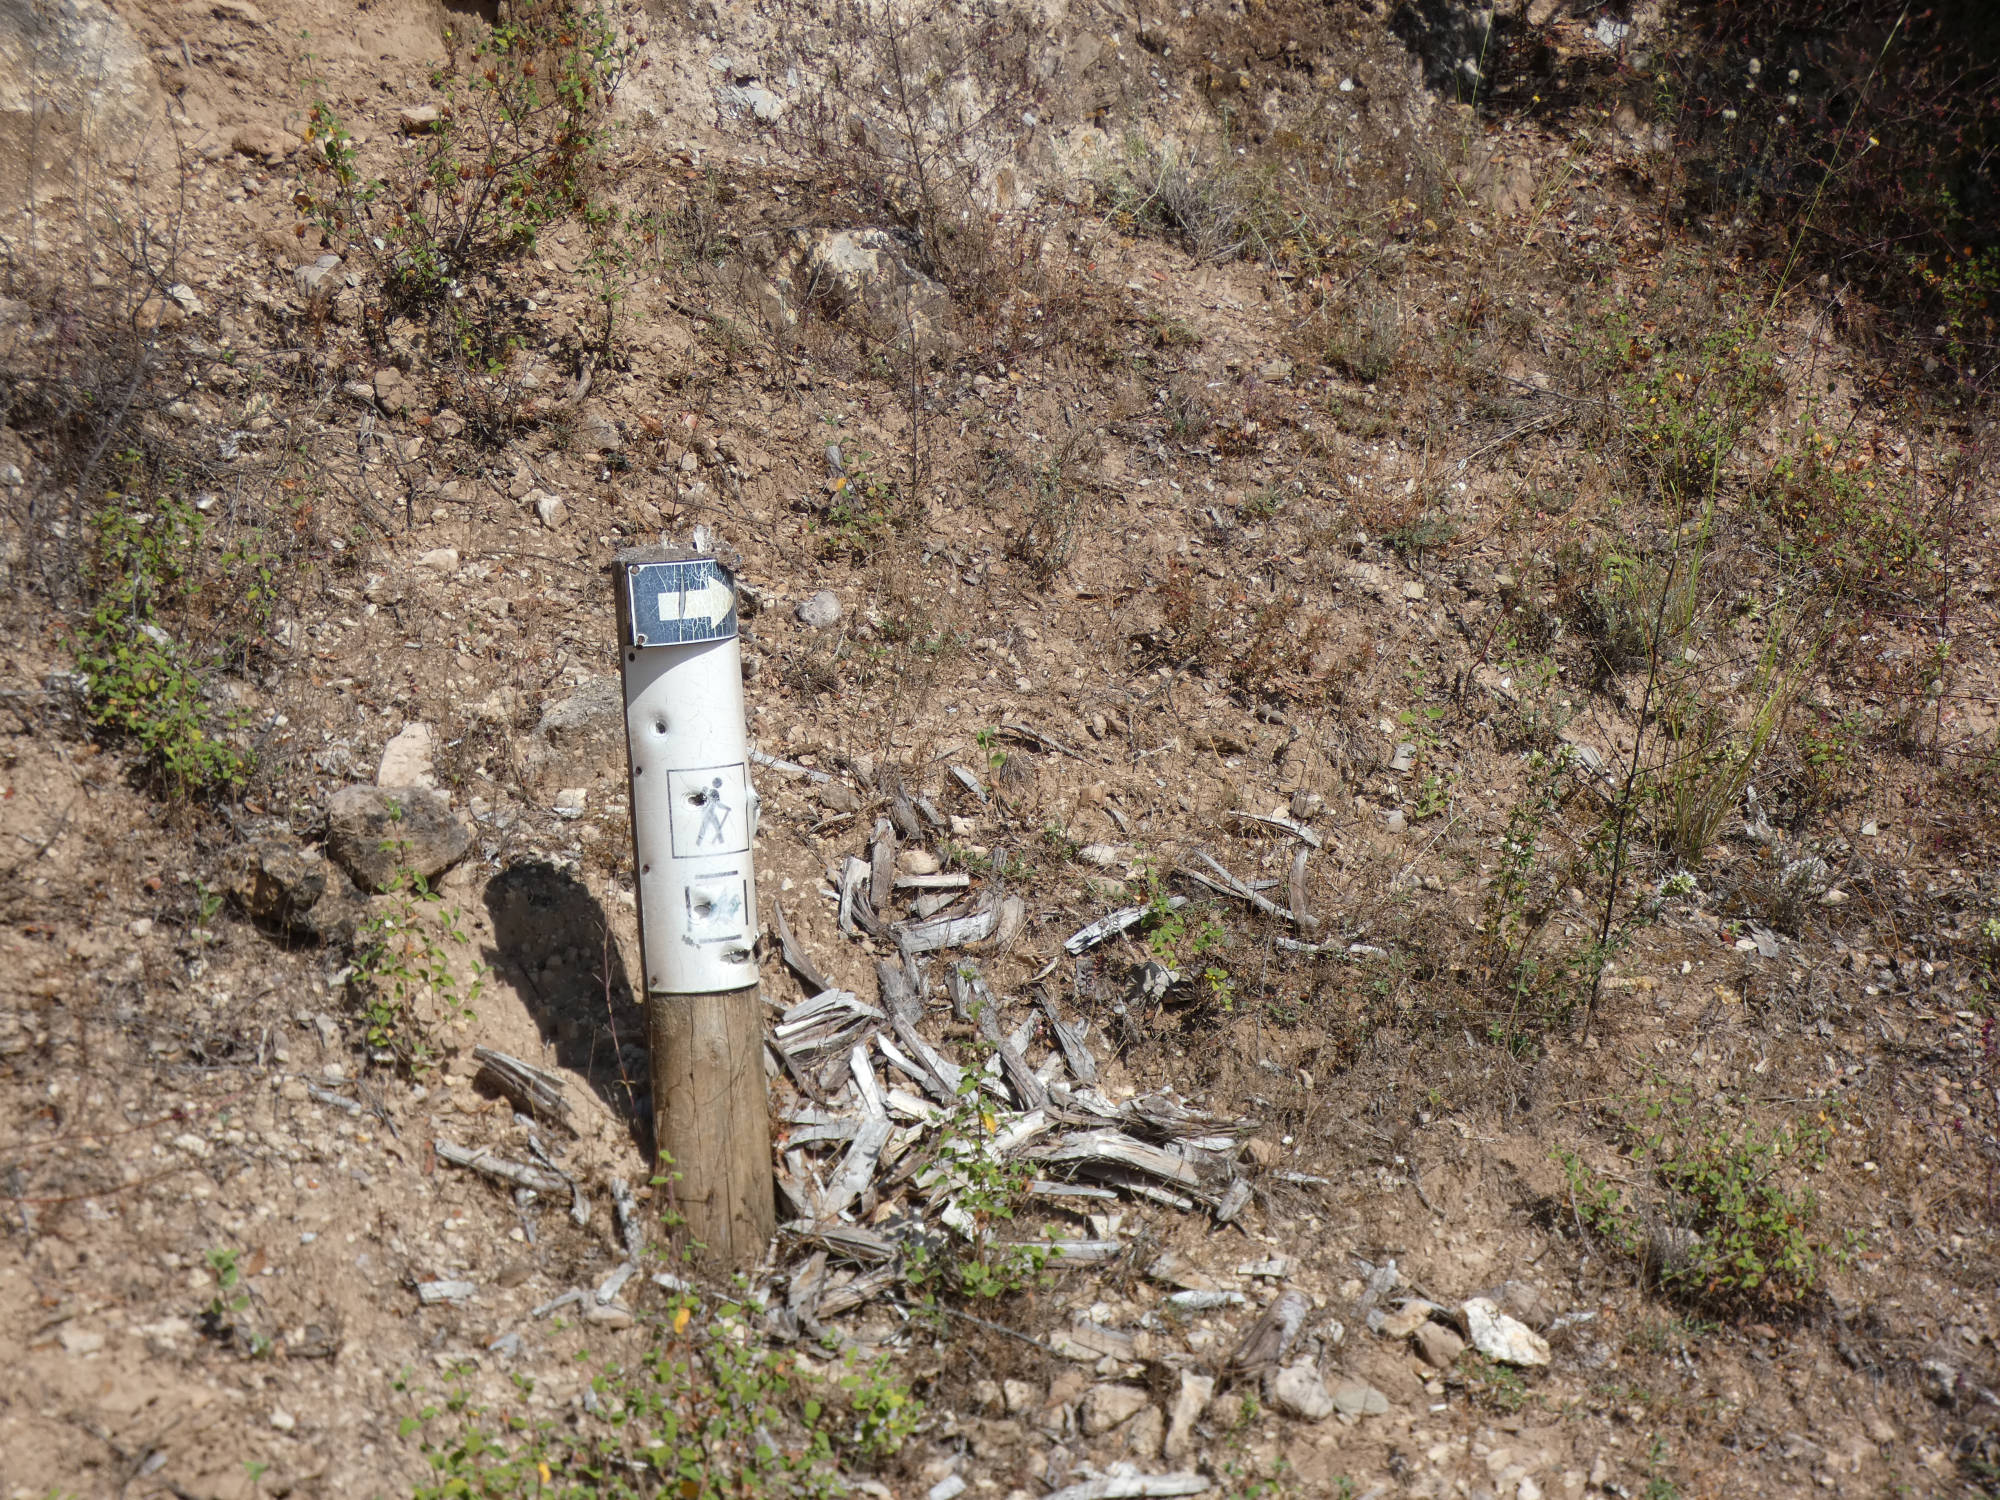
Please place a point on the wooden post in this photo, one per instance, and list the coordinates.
(710, 1114)
(693, 825)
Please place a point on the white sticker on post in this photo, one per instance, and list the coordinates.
(711, 810)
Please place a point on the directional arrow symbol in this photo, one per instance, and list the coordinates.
(711, 602)
(682, 603)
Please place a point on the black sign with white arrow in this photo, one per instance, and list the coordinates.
(682, 603)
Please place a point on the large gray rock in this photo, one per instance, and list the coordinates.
(1106, 1406)
(1503, 1338)
(584, 732)
(376, 833)
(866, 275)
(1189, 1403)
(588, 718)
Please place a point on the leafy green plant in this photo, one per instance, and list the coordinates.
(1687, 387)
(1189, 941)
(225, 1266)
(986, 1192)
(1497, 1387)
(710, 1411)
(511, 146)
(151, 583)
(403, 975)
(221, 1318)
(1729, 1219)
(988, 741)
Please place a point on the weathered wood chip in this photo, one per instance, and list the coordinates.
(1133, 1487)
(1035, 737)
(1113, 923)
(1115, 1148)
(1297, 830)
(483, 1161)
(947, 932)
(788, 768)
(863, 1288)
(882, 867)
(1227, 884)
(532, 1090)
(1091, 1341)
(857, 1167)
(794, 954)
(1082, 1066)
(1270, 1337)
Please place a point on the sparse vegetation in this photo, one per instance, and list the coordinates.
(1728, 1217)
(1555, 565)
(710, 1411)
(405, 975)
(152, 644)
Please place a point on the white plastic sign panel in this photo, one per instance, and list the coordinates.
(694, 811)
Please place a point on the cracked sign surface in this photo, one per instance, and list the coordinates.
(681, 603)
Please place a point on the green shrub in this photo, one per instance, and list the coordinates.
(515, 146)
(155, 590)
(986, 1193)
(403, 977)
(1725, 1217)
(711, 1411)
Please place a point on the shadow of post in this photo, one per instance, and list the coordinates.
(551, 938)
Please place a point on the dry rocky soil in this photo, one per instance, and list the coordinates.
(1145, 526)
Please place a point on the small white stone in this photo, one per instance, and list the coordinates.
(1500, 1337)
(406, 759)
(571, 801)
(1298, 1391)
(283, 1420)
(821, 610)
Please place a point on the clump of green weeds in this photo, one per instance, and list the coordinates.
(1686, 388)
(1190, 943)
(1495, 1386)
(987, 1191)
(864, 514)
(1728, 1219)
(1168, 190)
(156, 587)
(403, 975)
(1868, 532)
(221, 1318)
(711, 1411)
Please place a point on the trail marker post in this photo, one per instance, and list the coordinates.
(694, 818)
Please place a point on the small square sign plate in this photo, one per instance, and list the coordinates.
(681, 603)
(711, 810)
